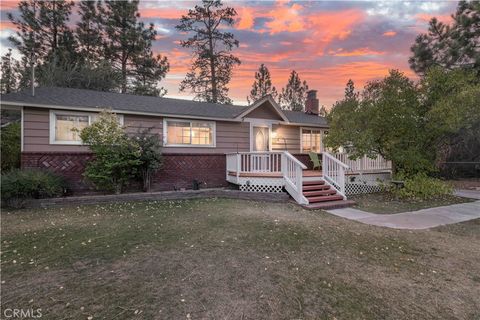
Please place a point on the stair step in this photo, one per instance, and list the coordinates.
(309, 183)
(319, 193)
(329, 205)
(324, 198)
(316, 187)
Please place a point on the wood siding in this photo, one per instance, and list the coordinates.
(265, 111)
(287, 136)
(230, 136)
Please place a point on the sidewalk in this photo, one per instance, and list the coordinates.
(421, 219)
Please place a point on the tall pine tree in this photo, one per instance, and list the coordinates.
(262, 85)
(294, 94)
(9, 74)
(128, 41)
(350, 93)
(450, 46)
(90, 31)
(213, 63)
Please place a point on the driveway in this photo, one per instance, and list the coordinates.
(421, 219)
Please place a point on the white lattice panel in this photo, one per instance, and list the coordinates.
(261, 184)
(365, 183)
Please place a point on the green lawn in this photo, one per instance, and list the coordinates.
(233, 259)
(386, 203)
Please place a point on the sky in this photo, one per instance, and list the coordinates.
(326, 42)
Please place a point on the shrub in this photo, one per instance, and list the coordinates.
(10, 146)
(20, 185)
(150, 156)
(423, 187)
(117, 156)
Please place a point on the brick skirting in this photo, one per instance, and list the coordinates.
(178, 171)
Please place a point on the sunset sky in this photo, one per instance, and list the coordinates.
(326, 42)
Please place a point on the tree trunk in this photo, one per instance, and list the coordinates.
(213, 79)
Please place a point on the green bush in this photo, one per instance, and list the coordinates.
(422, 187)
(18, 186)
(10, 137)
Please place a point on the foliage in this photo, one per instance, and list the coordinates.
(9, 73)
(20, 185)
(213, 63)
(450, 46)
(262, 85)
(10, 142)
(422, 187)
(294, 94)
(116, 155)
(150, 156)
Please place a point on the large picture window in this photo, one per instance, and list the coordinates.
(312, 140)
(65, 126)
(189, 133)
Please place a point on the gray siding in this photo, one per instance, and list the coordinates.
(286, 135)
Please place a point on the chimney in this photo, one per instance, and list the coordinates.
(312, 104)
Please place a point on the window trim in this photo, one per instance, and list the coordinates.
(165, 133)
(53, 118)
(263, 124)
(322, 134)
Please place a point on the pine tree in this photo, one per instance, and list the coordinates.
(450, 46)
(127, 41)
(350, 93)
(323, 112)
(8, 82)
(90, 31)
(213, 63)
(293, 96)
(262, 85)
(149, 71)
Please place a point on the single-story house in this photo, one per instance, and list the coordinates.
(258, 147)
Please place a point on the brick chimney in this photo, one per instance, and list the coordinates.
(312, 104)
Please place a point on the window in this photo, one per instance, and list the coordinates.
(190, 133)
(65, 126)
(312, 140)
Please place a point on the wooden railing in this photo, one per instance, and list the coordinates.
(334, 172)
(292, 173)
(364, 164)
(283, 163)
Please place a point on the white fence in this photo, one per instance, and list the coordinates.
(364, 164)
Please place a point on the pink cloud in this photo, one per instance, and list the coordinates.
(389, 34)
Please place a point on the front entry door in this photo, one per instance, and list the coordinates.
(261, 139)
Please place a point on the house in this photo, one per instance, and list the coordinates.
(258, 147)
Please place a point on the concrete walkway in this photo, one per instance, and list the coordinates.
(421, 219)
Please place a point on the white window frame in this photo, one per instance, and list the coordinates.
(322, 134)
(176, 145)
(53, 118)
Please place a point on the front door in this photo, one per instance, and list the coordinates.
(261, 139)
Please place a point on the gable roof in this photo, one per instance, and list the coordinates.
(82, 99)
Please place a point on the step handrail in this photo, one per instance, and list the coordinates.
(290, 156)
(334, 172)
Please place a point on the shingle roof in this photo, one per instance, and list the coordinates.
(82, 98)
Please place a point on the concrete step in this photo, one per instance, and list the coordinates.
(315, 193)
(313, 182)
(329, 205)
(316, 187)
(324, 198)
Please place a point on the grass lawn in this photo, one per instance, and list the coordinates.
(386, 203)
(233, 259)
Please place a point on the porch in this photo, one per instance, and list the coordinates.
(329, 187)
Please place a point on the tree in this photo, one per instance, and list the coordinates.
(384, 121)
(149, 71)
(323, 112)
(350, 93)
(9, 70)
(213, 62)
(294, 94)
(117, 157)
(90, 31)
(450, 46)
(10, 146)
(127, 42)
(262, 85)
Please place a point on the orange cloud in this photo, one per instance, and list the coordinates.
(356, 52)
(165, 13)
(285, 18)
(247, 19)
(6, 5)
(447, 19)
(389, 33)
(6, 24)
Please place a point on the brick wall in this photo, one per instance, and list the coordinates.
(178, 171)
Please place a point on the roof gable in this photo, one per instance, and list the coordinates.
(265, 108)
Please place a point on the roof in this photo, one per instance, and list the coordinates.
(90, 99)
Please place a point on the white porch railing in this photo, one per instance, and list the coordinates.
(365, 164)
(334, 172)
(289, 167)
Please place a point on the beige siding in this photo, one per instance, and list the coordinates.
(230, 136)
(289, 135)
(265, 111)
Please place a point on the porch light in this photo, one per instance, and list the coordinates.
(274, 134)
